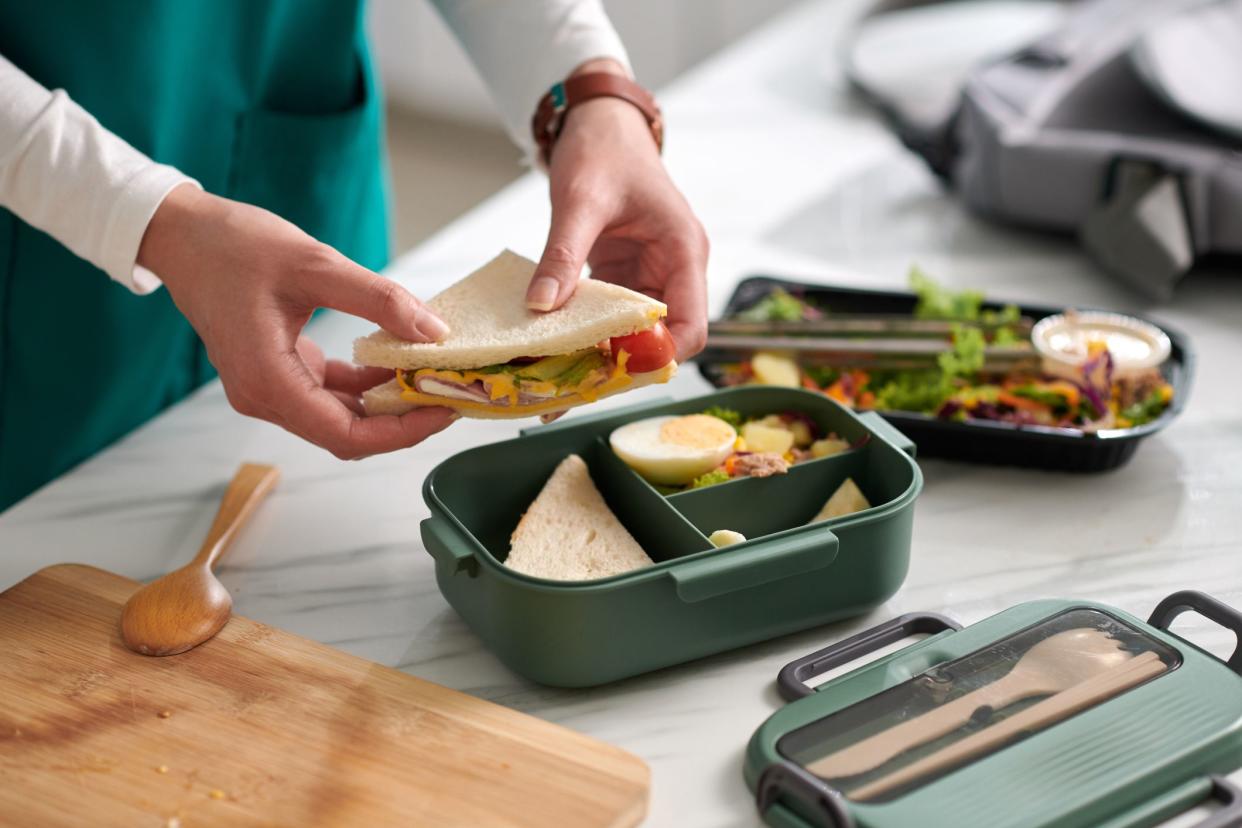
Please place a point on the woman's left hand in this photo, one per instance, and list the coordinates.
(615, 207)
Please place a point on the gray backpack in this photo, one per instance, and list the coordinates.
(1123, 125)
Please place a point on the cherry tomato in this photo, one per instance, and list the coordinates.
(650, 349)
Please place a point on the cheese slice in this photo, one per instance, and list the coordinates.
(502, 385)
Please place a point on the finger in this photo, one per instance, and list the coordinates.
(337, 426)
(351, 401)
(317, 415)
(312, 356)
(685, 293)
(550, 418)
(353, 379)
(575, 227)
(360, 292)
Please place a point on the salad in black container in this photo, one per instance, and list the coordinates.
(982, 392)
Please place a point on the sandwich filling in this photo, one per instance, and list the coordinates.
(588, 373)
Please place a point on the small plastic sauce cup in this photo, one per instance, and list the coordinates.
(1063, 341)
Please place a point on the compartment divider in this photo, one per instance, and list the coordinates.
(764, 506)
(662, 531)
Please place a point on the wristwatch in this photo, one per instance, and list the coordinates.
(550, 114)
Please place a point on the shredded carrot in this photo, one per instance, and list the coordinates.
(1020, 403)
(1067, 390)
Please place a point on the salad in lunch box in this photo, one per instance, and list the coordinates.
(1089, 377)
(677, 454)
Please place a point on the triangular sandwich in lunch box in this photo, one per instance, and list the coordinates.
(501, 360)
(570, 534)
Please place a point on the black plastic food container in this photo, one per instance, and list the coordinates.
(981, 441)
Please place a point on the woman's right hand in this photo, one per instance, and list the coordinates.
(248, 281)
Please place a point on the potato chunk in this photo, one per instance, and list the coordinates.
(828, 447)
(765, 438)
(776, 369)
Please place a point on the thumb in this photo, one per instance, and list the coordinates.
(358, 291)
(573, 233)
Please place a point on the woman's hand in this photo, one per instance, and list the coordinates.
(248, 282)
(614, 206)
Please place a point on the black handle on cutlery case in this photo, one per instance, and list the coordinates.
(791, 681)
(786, 779)
(1230, 796)
(1207, 606)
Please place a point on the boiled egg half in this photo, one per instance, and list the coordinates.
(672, 451)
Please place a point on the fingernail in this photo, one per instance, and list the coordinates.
(541, 295)
(431, 325)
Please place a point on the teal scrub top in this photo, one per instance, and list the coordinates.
(274, 103)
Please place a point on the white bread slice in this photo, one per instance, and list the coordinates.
(489, 322)
(388, 399)
(570, 534)
(846, 500)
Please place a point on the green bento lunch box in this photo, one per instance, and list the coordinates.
(696, 599)
(1052, 714)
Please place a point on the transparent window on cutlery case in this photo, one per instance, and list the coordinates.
(967, 709)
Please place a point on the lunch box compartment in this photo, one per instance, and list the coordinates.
(981, 441)
(1083, 735)
(661, 532)
(696, 600)
(758, 506)
(489, 505)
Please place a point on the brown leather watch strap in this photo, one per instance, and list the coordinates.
(550, 114)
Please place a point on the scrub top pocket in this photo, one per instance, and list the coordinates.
(324, 172)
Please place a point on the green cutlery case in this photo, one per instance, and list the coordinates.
(696, 600)
(1105, 721)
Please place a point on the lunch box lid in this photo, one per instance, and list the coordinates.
(1142, 755)
(984, 441)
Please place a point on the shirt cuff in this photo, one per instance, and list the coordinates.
(521, 48)
(137, 202)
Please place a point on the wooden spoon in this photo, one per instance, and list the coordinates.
(1098, 688)
(1058, 662)
(188, 606)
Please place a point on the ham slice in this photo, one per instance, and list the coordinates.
(475, 392)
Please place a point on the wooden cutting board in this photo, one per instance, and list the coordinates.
(261, 727)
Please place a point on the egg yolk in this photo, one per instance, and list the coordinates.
(697, 431)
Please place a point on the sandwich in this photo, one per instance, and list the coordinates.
(570, 534)
(501, 360)
(846, 500)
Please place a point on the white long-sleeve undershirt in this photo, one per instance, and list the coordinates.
(63, 173)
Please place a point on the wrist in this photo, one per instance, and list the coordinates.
(165, 231)
(591, 82)
(603, 117)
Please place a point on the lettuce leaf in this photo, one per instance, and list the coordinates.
(710, 479)
(733, 418)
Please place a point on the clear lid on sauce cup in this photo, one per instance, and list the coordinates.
(1063, 340)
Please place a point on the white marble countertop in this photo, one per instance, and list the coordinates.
(789, 177)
